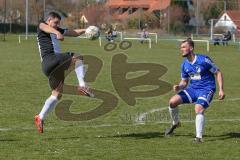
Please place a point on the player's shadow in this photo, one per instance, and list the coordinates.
(8, 140)
(183, 135)
(146, 135)
(225, 136)
(63, 138)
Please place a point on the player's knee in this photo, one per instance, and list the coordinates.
(78, 57)
(199, 109)
(57, 94)
(173, 103)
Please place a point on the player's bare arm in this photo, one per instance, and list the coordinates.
(219, 77)
(182, 84)
(75, 32)
(48, 29)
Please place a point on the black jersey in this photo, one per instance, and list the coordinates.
(47, 42)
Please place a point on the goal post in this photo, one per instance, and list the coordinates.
(142, 39)
(23, 35)
(155, 35)
(198, 40)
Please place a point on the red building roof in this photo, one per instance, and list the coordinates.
(235, 16)
(147, 5)
(151, 4)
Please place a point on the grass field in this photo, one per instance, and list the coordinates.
(116, 134)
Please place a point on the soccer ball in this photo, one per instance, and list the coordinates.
(92, 32)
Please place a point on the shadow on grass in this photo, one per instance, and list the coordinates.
(62, 138)
(146, 135)
(225, 136)
(8, 140)
(184, 135)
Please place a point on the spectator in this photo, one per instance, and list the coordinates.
(227, 36)
(216, 41)
(114, 32)
(144, 35)
(109, 35)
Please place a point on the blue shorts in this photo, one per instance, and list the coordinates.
(197, 96)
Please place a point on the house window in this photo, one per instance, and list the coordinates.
(225, 18)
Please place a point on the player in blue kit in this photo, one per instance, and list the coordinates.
(197, 86)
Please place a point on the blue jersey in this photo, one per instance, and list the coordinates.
(200, 72)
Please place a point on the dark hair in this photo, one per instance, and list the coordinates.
(54, 15)
(189, 41)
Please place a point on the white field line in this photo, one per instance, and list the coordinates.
(143, 115)
(5, 129)
(115, 125)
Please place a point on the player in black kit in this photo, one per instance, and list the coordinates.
(55, 63)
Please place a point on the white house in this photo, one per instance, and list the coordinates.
(229, 20)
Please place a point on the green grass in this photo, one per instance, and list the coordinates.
(115, 135)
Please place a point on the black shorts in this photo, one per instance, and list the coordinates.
(54, 66)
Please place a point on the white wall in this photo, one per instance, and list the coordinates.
(225, 21)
